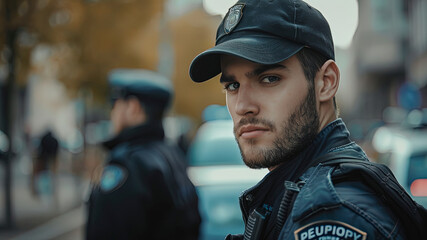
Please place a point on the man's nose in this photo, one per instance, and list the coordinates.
(246, 103)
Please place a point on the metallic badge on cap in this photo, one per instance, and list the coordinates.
(233, 17)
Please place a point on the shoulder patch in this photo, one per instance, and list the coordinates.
(329, 230)
(113, 178)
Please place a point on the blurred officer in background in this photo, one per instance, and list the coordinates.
(278, 70)
(144, 191)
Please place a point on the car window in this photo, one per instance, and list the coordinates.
(417, 168)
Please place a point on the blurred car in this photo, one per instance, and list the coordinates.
(220, 176)
(4, 144)
(404, 150)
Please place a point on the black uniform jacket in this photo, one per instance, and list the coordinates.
(144, 191)
(322, 208)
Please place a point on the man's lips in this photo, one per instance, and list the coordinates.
(250, 131)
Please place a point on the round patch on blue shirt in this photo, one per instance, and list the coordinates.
(113, 178)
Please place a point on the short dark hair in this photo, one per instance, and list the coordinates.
(311, 61)
(154, 109)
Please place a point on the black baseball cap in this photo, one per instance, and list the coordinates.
(265, 32)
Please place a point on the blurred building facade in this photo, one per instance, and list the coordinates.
(390, 55)
(417, 18)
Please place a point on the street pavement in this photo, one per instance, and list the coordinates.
(45, 217)
(69, 225)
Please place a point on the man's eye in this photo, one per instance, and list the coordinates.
(270, 79)
(232, 86)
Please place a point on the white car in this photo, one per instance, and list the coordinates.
(219, 174)
(404, 150)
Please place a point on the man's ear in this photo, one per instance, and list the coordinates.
(133, 104)
(327, 81)
(135, 110)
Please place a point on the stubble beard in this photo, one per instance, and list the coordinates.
(296, 133)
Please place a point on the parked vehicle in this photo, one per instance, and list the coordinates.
(219, 174)
(404, 149)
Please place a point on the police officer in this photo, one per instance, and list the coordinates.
(144, 191)
(278, 71)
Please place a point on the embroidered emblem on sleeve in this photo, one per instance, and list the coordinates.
(233, 17)
(329, 230)
(113, 178)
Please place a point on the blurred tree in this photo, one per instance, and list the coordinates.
(77, 42)
(89, 38)
(13, 19)
(192, 34)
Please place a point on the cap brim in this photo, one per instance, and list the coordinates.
(260, 49)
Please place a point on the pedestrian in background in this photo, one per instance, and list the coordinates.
(278, 71)
(144, 191)
(44, 169)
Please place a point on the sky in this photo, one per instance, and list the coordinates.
(342, 16)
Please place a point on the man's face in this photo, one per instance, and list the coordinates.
(118, 115)
(273, 109)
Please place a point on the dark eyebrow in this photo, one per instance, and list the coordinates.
(226, 79)
(264, 68)
(256, 72)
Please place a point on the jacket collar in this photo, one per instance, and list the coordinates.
(334, 136)
(138, 134)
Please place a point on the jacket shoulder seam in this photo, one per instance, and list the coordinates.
(368, 218)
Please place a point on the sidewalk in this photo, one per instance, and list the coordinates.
(68, 226)
(41, 218)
